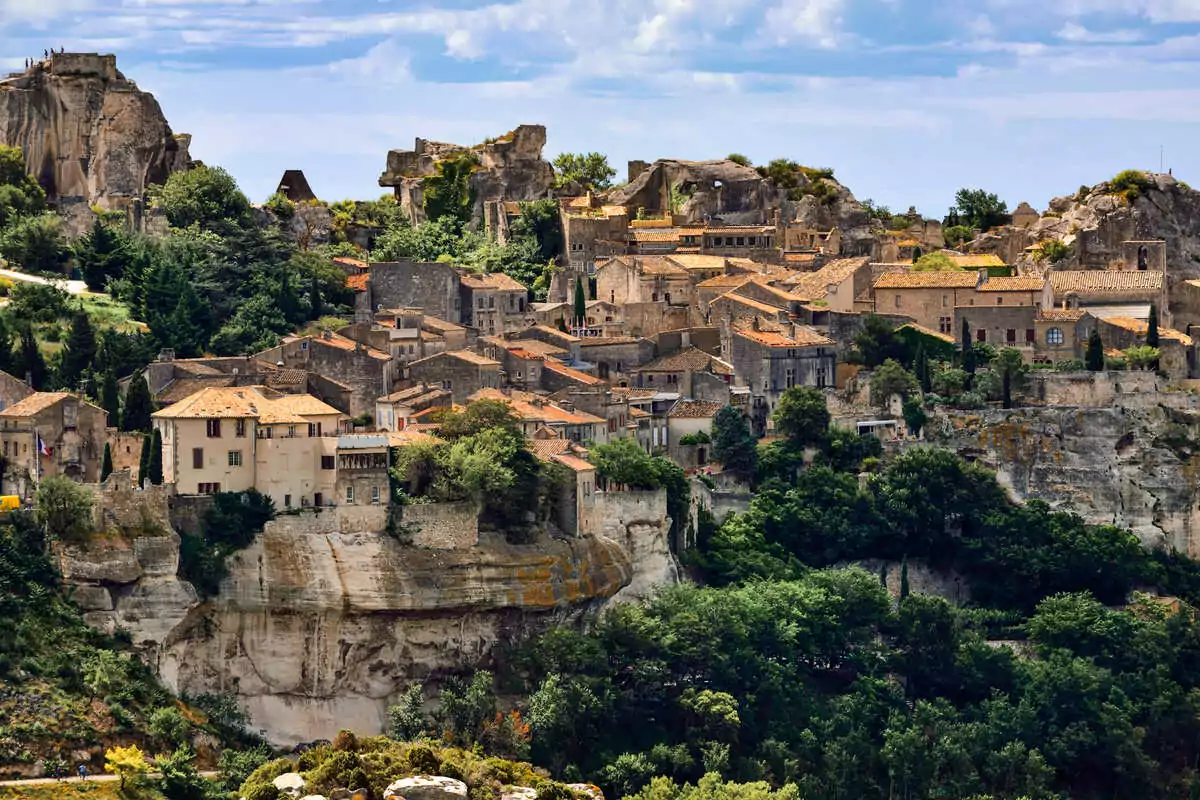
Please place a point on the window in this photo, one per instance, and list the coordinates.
(446, 385)
(235, 458)
(791, 377)
(1010, 336)
(897, 301)
(667, 297)
(1000, 300)
(752, 241)
(1030, 336)
(654, 297)
(350, 495)
(981, 335)
(208, 488)
(291, 431)
(314, 429)
(239, 428)
(946, 324)
(491, 301)
(1054, 336)
(214, 428)
(375, 495)
(741, 241)
(303, 346)
(945, 300)
(318, 499)
(198, 458)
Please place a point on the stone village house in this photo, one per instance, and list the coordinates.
(71, 429)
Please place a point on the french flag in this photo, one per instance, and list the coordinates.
(42, 448)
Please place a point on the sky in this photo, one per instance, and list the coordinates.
(908, 100)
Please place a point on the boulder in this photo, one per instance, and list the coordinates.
(518, 793)
(426, 787)
(290, 784)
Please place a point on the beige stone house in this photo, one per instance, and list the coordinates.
(241, 438)
(1111, 293)
(493, 303)
(643, 279)
(834, 286)
(691, 418)
(460, 372)
(51, 433)
(928, 298)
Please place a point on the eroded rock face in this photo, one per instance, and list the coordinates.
(511, 168)
(89, 135)
(726, 189)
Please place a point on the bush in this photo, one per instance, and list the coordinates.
(1130, 184)
(1069, 365)
(1053, 251)
(970, 400)
(63, 508)
(169, 726)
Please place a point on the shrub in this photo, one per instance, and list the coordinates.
(1069, 365)
(63, 508)
(1053, 250)
(1130, 184)
(934, 262)
(970, 400)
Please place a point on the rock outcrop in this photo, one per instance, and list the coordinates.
(511, 168)
(90, 136)
(1098, 224)
(1112, 447)
(426, 787)
(701, 190)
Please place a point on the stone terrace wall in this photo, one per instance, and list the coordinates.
(443, 526)
(1103, 389)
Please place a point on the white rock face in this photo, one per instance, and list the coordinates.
(426, 787)
(289, 783)
(518, 793)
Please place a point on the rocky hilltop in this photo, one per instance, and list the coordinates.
(1096, 224)
(89, 135)
(510, 168)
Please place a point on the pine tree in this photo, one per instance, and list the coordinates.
(106, 466)
(80, 352)
(904, 589)
(102, 254)
(185, 326)
(144, 461)
(1094, 357)
(110, 398)
(580, 302)
(733, 444)
(136, 416)
(968, 350)
(155, 462)
(30, 363)
(883, 575)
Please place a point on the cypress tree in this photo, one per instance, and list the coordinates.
(921, 367)
(968, 350)
(106, 466)
(1152, 327)
(110, 398)
(580, 302)
(904, 578)
(30, 363)
(136, 416)
(1094, 358)
(80, 351)
(155, 464)
(144, 461)
(316, 303)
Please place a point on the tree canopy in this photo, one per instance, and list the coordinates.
(590, 170)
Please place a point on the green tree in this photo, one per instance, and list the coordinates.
(7, 358)
(36, 243)
(921, 369)
(1142, 357)
(733, 444)
(178, 778)
(154, 464)
(102, 255)
(802, 415)
(406, 719)
(29, 363)
(103, 673)
(168, 726)
(110, 397)
(580, 306)
(1152, 327)
(590, 170)
(877, 342)
(914, 415)
(464, 707)
(106, 466)
(890, 378)
(138, 405)
(624, 462)
(79, 355)
(1013, 372)
(977, 208)
(63, 508)
(957, 235)
(934, 262)
(20, 193)
(207, 197)
(1093, 357)
(447, 193)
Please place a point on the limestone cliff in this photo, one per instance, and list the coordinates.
(511, 168)
(1116, 448)
(89, 135)
(322, 622)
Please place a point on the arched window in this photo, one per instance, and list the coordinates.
(1054, 336)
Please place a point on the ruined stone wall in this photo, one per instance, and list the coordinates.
(1102, 389)
(639, 523)
(443, 526)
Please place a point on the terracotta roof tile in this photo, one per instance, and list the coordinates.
(1061, 314)
(748, 302)
(1105, 283)
(694, 409)
(495, 280)
(1016, 283)
(930, 279)
(688, 360)
(698, 262)
(573, 374)
(181, 388)
(1141, 326)
(725, 281)
(655, 236)
(359, 282)
(573, 462)
(805, 337)
(34, 404)
(247, 402)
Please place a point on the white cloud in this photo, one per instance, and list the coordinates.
(38, 12)
(1074, 32)
(815, 21)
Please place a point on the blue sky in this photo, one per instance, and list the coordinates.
(907, 99)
